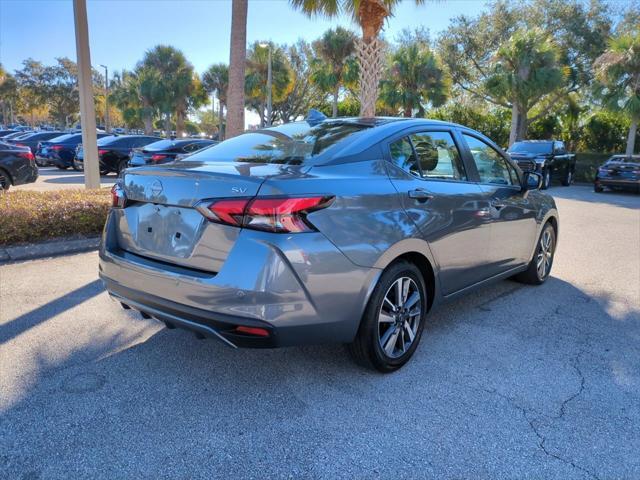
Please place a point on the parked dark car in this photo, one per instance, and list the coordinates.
(114, 152)
(166, 151)
(14, 135)
(4, 133)
(60, 151)
(32, 140)
(334, 230)
(17, 166)
(549, 158)
(620, 172)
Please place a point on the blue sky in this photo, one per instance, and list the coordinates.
(121, 30)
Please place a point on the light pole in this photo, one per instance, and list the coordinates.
(107, 127)
(269, 83)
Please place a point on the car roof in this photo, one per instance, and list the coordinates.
(537, 141)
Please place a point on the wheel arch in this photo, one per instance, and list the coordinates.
(8, 175)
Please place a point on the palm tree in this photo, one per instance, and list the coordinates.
(526, 68)
(216, 81)
(334, 49)
(618, 71)
(415, 78)
(237, 59)
(370, 16)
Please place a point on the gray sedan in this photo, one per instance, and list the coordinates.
(343, 230)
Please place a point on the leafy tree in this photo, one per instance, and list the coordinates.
(604, 132)
(134, 94)
(238, 54)
(334, 64)
(303, 93)
(477, 53)
(216, 81)
(9, 96)
(256, 78)
(414, 78)
(61, 87)
(493, 122)
(32, 87)
(370, 16)
(618, 71)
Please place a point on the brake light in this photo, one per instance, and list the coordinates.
(258, 332)
(19, 144)
(118, 198)
(157, 157)
(271, 214)
(102, 152)
(28, 155)
(56, 147)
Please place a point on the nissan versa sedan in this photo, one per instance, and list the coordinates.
(342, 230)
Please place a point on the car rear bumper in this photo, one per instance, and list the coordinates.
(265, 282)
(622, 183)
(28, 174)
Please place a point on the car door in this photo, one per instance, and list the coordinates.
(512, 214)
(560, 159)
(429, 173)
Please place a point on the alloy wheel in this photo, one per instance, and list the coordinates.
(545, 254)
(4, 181)
(399, 317)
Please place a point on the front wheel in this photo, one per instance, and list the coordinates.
(567, 180)
(5, 182)
(393, 321)
(540, 266)
(546, 179)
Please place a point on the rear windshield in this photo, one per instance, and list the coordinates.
(161, 145)
(111, 139)
(531, 147)
(293, 143)
(63, 138)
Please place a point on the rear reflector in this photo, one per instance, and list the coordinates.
(271, 214)
(258, 332)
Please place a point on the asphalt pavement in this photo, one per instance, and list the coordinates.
(52, 178)
(510, 382)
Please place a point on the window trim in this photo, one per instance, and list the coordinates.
(406, 133)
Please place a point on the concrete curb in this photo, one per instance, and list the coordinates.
(48, 249)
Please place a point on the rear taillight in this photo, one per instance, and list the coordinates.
(157, 157)
(56, 147)
(19, 144)
(271, 214)
(28, 155)
(118, 198)
(102, 152)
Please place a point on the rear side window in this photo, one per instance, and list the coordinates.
(293, 144)
(429, 155)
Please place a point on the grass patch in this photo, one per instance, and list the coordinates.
(27, 217)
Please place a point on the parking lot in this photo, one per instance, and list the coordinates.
(52, 178)
(511, 381)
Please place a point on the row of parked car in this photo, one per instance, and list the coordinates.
(22, 152)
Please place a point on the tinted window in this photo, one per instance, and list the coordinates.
(65, 138)
(403, 156)
(530, 147)
(492, 167)
(110, 141)
(438, 156)
(294, 143)
(160, 145)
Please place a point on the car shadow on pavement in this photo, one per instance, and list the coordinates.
(540, 377)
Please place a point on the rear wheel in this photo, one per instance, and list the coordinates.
(597, 187)
(546, 179)
(122, 165)
(567, 180)
(393, 321)
(540, 266)
(62, 167)
(5, 181)
(78, 166)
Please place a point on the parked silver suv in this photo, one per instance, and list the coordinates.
(344, 230)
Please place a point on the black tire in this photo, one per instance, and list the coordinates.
(367, 348)
(62, 167)
(533, 275)
(546, 179)
(567, 180)
(597, 187)
(104, 171)
(78, 166)
(5, 181)
(122, 165)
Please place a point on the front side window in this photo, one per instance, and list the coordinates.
(492, 167)
(438, 156)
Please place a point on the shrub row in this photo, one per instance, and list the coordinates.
(27, 217)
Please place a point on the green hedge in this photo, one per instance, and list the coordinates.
(27, 217)
(587, 164)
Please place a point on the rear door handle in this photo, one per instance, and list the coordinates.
(420, 194)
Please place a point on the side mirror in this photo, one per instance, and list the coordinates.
(531, 181)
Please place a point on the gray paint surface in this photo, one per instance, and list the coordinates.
(508, 382)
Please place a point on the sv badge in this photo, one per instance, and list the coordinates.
(238, 189)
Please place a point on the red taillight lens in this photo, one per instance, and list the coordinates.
(157, 157)
(27, 155)
(258, 332)
(118, 198)
(102, 151)
(271, 214)
(56, 147)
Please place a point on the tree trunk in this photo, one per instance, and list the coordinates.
(631, 139)
(513, 133)
(220, 121)
(179, 123)
(518, 124)
(522, 126)
(407, 111)
(237, 60)
(334, 107)
(167, 125)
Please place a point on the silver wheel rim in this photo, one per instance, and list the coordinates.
(545, 255)
(399, 317)
(547, 178)
(4, 181)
